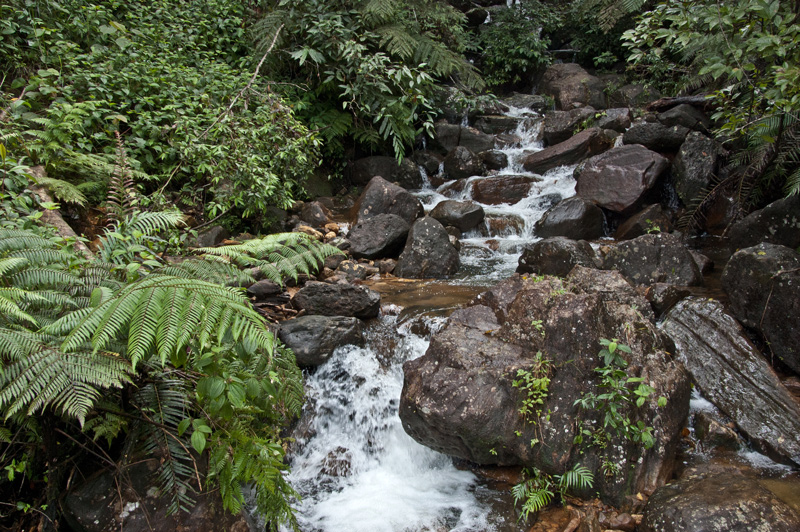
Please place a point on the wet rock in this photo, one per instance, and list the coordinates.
(264, 289)
(560, 125)
(569, 84)
(380, 236)
(534, 102)
(459, 398)
(428, 253)
(500, 296)
(504, 225)
(713, 434)
(654, 258)
(763, 287)
(475, 141)
(213, 236)
(406, 174)
(337, 300)
(334, 261)
(428, 160)
(633, 95)
(510, 189)
(492, 124)
(704, 264)
(619, 179)
(618, 119)
(664, 296)
(350, 269)
(461, 163)
(652, 219)
(656, 136)
(717, 499)
(315, 214)
(734, 376)
(556, 256)
(777, 223)
(445, 137)
(337, 463)
(589, 142)
(695, 166)
(382, 197)
(494, 159)
(95, 505)
(687, 116)
(574, 218)
(314, 338)
(464, 215)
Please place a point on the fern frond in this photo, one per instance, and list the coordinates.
(397, 40)
(377, 12)
(211, 271)
(62, 190)
(152, 222)
(44, 278)
(17, 239)
(9, 307)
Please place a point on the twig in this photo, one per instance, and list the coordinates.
(31, 508)
(249, 84)
(211, 221)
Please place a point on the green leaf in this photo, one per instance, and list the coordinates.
(198, 441)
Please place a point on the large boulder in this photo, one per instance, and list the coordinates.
(556, 256)
(337, 300)
(315, 214)
(717, 498)
(687, 116)
(377, 237)
(588, 142)
(618, 119)
(428, 253)
(560, 125)
(445, 137)
(314, 338)
(460, 399)
(494, 124)
(654, 258)
(618, 179)
(777, 223)
(574, 218)
(734, 376)
(499, 189)
(475, 141)
(532, 102)
(633, 95)
(571, 86)
(406, 174)
(695, 166)
(763, 287)
(461, 163)
(656, 136)
(382, 197)
(464, 215)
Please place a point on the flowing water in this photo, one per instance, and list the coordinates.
(354, 466)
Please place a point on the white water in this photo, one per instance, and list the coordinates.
(359, 471)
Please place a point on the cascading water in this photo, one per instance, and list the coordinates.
(357, 470)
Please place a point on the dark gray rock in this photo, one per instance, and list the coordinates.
(382, 197)
(429, 160)
(337, 300)
(493, 125)
(619, 179)
(265, 288)
(777, 223)
(445, 137)
(656, 136)
(618, 119)
(534, 102)
(379, 236)
(704, 263)
(588, 142)
(494, 159)
(695, 166)
(105, 502)
(687, 116)
(475, 141)
(651, 219)
(406, 174)
(314, 338)
(561, 125)
(428, 253)
(763, 287)
(654, 258)
(334, 261)
(315, 214)
(712, 433)
(571, 86)
(713, 498)
(664, 296)
(633, 95)
(734, 376)
(350, 270)
(459, 397)
(213, 236)
(574, 218)
(461, 163)
(556, 256)
(464, 215)
(510, 189)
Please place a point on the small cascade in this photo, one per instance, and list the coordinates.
(357, 470)
(426, 181)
